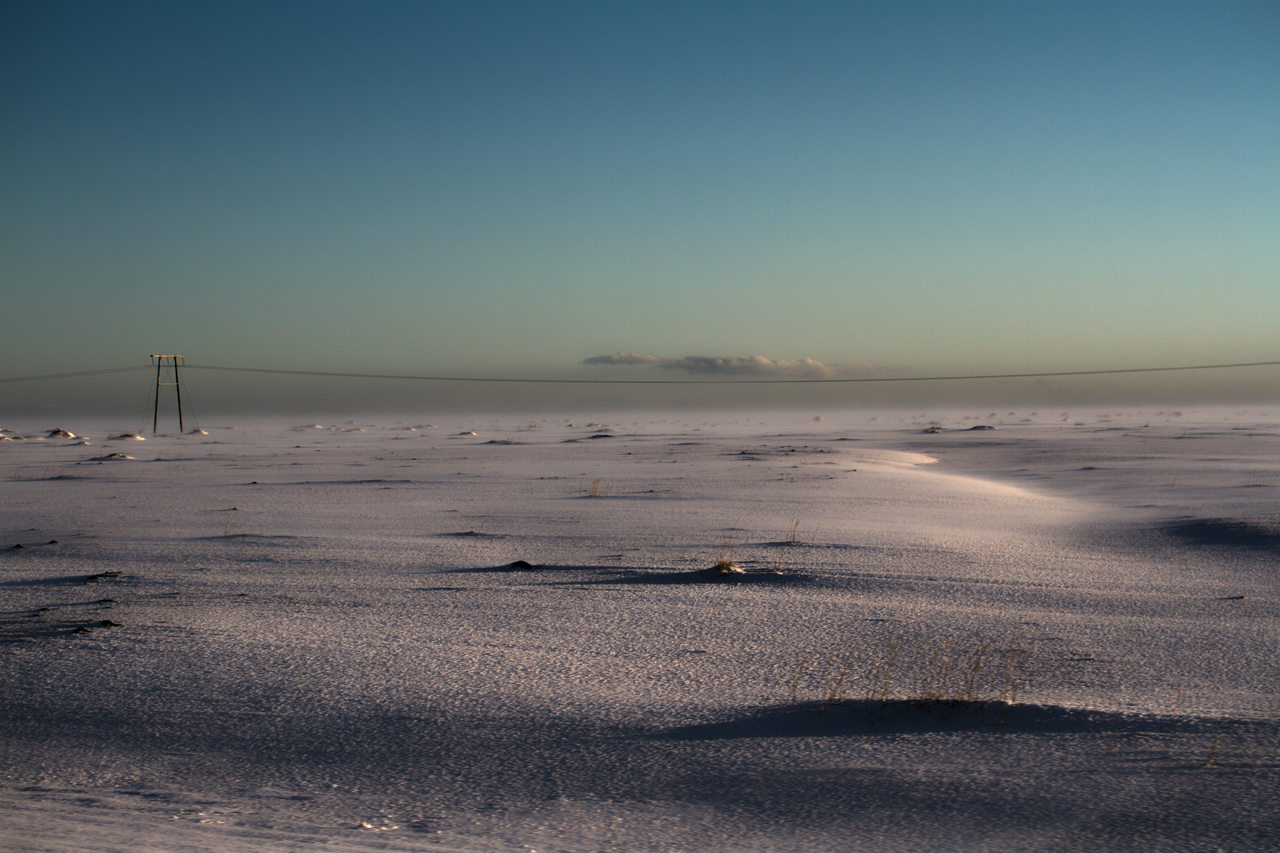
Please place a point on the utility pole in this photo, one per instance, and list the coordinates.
(177, 388)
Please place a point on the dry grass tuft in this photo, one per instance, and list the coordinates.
(726, 566)
(599, 488)
(948, 673)
(1217, 742)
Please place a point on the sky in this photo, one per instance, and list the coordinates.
(639, 190)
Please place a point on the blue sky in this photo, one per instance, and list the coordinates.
(513, 188)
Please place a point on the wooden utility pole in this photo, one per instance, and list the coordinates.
(177, 388)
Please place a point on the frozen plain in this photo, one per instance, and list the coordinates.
(318, 639)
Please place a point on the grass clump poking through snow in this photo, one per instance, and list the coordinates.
(599, 488)
(726, 566)
(946, 673)
(725, 563)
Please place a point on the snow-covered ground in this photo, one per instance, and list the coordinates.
(288, 637)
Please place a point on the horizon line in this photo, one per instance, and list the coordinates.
(949, 378)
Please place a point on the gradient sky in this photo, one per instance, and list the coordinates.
(511, 188)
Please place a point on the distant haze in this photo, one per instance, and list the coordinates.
(50, 404)
(649, 190)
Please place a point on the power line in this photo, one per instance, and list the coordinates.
(730, 381)
(276, 371)
(78, 373)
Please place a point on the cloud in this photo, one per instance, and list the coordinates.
(761, 367)
(757, 366)
(625, 358)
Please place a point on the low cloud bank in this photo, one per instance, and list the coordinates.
(755, 366)
(626, 358)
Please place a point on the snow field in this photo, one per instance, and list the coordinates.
(321, 639)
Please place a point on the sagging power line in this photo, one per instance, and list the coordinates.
(733, 381)
(796, 381)
(77, 373)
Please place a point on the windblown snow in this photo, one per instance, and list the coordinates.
(1058, 634)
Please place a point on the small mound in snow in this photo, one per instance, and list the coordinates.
(126, 436)
(711, 575)
(111, 456)
(588, 437)
(460, 434)
(196, 431)
(893, 458)
(60, 433)
(1261, 532)
(871, 719)
(935, 428)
